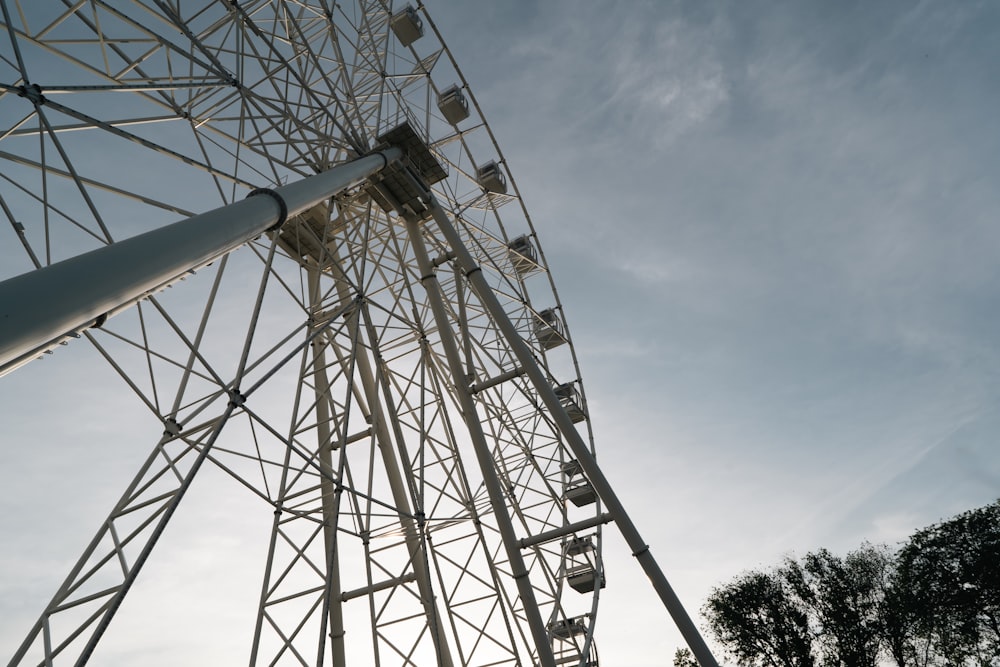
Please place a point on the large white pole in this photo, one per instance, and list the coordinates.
(40, 308)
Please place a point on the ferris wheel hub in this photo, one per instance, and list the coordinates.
(402, 187)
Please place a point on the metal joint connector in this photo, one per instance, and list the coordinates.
(282, 206)
(33, 93)
(236, 399)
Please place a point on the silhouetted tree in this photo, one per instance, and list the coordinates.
(935, 603)
(843, 599)
(684, 658)
(947, 591)
(759, 622)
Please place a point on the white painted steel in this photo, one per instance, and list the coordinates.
(576, 443)
(48, 304)
(318, 360)
(470, 413)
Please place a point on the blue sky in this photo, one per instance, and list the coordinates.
(773, 226)
(774, 231)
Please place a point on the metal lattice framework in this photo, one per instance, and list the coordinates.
(310, 367)
(367, 346)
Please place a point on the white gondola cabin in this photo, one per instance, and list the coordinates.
(453, 105)
(567, 628)
(549, 329)
(569, 398)
(406, 25)
(576, 488)
(582, 571)
(491, 178)
(522, 254)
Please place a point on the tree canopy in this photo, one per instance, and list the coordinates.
(934, 601)
(684, 658)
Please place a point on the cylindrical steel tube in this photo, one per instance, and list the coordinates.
(41, 307)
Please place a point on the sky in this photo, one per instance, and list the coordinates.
(773, 230)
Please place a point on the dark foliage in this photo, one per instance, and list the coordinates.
(947, 591)
(684, 658)
(759, 621)
(935, 602)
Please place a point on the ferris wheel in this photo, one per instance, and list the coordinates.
(353, 325)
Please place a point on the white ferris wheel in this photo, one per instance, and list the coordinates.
(293, 241)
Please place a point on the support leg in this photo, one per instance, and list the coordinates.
(580, 450)
(470, 413)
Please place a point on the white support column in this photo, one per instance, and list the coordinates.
(40, 308)
(580, 450)
(329, 498)
(518, 569)
(368, 395)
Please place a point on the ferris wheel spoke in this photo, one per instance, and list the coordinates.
(348, 103)
(11, 34)
(130, 62)
(149, 360)
(122, 373)
(270, 116)
(285, 67)
(317, 68)
(89, 182)
(18, 228)
(254, 318)
(197, 41)
(118, 131)
(192, 353)
(366, 66)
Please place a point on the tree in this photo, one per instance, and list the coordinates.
(843, 599)
(947, 590)
(821, 609)
(936, 603)
(683, 658)
(759, 622)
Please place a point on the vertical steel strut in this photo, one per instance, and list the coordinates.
(329, 497)
(580, 450)
(471, 416)
(368, 395)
